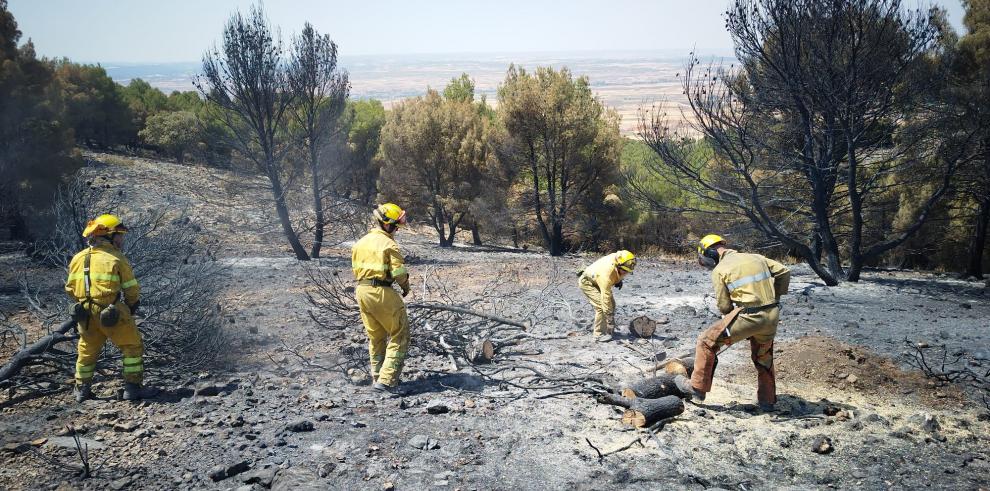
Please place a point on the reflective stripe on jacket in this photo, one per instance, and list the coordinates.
(748, 280)
(376, 256)
(109, 272)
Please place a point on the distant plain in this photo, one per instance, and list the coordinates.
(624, 81)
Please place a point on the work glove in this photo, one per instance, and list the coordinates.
(134, 307)
(405, 291)
(110, 316)
(619, 285)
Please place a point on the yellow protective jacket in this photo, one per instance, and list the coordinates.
(605, 274)
(748, 280)
(110, 273)
(376, 256)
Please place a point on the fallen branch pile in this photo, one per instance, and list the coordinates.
(944, 368)
(464, 329)
(36, 351)
(180, 315)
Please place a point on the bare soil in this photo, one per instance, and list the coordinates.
(841, 376)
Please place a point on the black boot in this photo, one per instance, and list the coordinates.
(687, 390)
(133, 392)
(386, 389)
(83, 391)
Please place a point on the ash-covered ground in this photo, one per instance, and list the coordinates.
(275, 413)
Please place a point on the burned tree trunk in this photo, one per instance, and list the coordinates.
(653, 387)
(978, 241)
(642, 326)
(476, 234)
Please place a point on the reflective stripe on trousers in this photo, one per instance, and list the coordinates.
(84, 373)
(133, 364)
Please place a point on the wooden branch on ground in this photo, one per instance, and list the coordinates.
(450, 354)
(23, 357)
(599, 452)
(625, 447)
(462, 310)
(525, 336)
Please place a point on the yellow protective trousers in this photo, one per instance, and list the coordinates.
(604, 320)
(124, 335)
(385, 321)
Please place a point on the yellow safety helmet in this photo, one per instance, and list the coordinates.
(708, 241)
(390, 214)
(104, 225)
(707, 255)
(625, 260)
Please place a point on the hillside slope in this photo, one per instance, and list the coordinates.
(279, 412)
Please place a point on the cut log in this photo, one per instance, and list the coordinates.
(23, 357)
(645, 412)
(479, 351)
(677, 366)
(642, 327)
(651, 388)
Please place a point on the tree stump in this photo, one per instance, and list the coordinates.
(642, 327)
(479, 351)
(651, 388)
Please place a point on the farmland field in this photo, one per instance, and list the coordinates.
(625, 81)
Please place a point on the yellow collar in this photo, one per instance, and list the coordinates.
(104, 244)
(379, 230)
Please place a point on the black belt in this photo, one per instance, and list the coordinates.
(761, 308)
(374, 283)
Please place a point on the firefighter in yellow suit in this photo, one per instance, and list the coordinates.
(377, 264)
(103, 285)
(748, 288)
(596, 282)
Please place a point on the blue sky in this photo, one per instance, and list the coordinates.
(181, 30)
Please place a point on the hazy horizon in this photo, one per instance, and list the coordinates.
(630, 50)
(180, 31)
(671, 53)
(623, 81)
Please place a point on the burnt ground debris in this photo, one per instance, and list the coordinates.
(852, 412)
